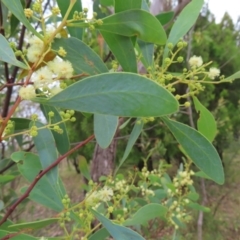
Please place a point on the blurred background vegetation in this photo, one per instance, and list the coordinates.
(216, 42)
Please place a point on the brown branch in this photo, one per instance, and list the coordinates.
(13, 84)
(40, 175)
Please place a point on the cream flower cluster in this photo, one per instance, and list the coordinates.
(103, 195)
(195, 61)
(44, 77)
(27, 92)
(35, 50)
(213, 72)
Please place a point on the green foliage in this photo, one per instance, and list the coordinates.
(146, 213)
(84, 61)
(104, 128)
(184, 22)
(63, 5)
(7, 54)
(198, 149)
(61, 140)
(135, 23)
(117, 231)
(144, 198)
(206, 122)
(46, 192)
(17, 9)
(108, 94)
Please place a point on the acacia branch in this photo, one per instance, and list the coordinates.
(40, 175)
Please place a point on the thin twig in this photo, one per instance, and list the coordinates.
(40, 175)
(13, 84)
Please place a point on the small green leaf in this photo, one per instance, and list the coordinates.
(46, 148)
(147, 50)
(135, 23)
(100, 234)
(33, 225)
(198, 207)
(117, 94)
(63, 6)
(45, 193)
(147, 213)
(145, 6)
(104, 129)
(184, 22)
(7, 55)
(17, 9)
(123, 49)
(206, 123)
(198, 148)
(84, 167)
(107, 2)
(137, 129)
(14, 22)
(118, 232)
(6, 178)
(201, 175)
(17, 237)
(123, 5)
(21, 124)
(165, 17)
(193, 196)
(61, 140)
(84, 60)
(233, 77)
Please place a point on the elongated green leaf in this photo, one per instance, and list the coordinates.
(147, 50)
(45, 193)
(135, 23)
(198, 148)
(206, 123)
(107, 2)
(117, 94)
(145, 6)
(84, 167)
(85, 60)
(61, 140)
(7, 55)
(100, 234)
(124, 5)
(46, 148)
(233, 77)
(17, 9)
(82, 57)
(184, 22)
(6, 178)
(198, 207)
(123, 49)
(118, 232)
(146, 213)
(21, 124)
(63, 6)
(165, 17)
(14, 22)
(104, 129)
(137, 129)
(17, 237)
(33, 225)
